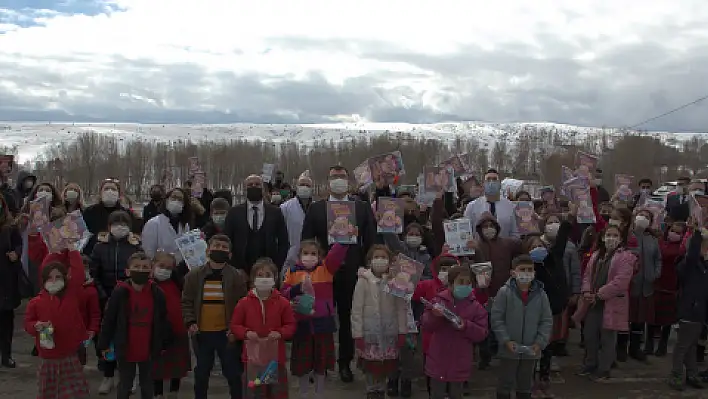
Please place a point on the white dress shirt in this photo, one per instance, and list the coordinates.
(504, 214)
(249, 213)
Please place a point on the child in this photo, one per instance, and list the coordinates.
(174, 363)
(265, 315)
(135, 322)
(218, 210)
(522, 321)
(379, 323)
(313, 344)
(90, 309)
(449, 360)
(58, 305)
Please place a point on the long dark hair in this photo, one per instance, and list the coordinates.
(57, 200)
(600, 246)
(187, 216)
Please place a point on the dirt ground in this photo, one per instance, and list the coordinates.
(631, 380)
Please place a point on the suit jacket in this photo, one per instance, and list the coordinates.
(676, 210)
(315, 227)
(276, 232)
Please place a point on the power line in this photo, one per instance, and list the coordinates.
(694, 102)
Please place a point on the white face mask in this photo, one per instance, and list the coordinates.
(442, 276)
(611, 243)
(174, 207)
(54, 287)
(309, 261)
(641, 222)
(119, 231)
(71, 195)
(379, 265)
(338, 186)
(45, 194)
(276, 198)
(109, 197)
(552, 230)
(525, 277)
(263, 283)
(304, 192)
(161, 274)
(414, 241)
(489, 232)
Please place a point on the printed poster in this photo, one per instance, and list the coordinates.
(658, 209)
(404, 275)
(193, 248)
(6, 164)
(566, 175)
(623, 187)
(341, 222)
(455, 163)
(267, 172)
(38, 214)
(67, 232)
(526, 219)
(699, 210)
(362, 174)
(438, 179)
(390, 215)
(580, 195)
(458, 233)
(550, 202)
(387, 167)
(423, 197)
(585, 164)
(198, 184)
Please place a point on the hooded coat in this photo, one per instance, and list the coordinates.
(499, 251)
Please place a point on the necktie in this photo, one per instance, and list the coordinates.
(254, 226)
(493, 208)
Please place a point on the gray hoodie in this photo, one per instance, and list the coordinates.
(527, 324)
(649, 265)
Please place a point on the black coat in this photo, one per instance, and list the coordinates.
(677, 209)
(114, 328)
(10, 240)
(108, 261)
(237, 229)
(96, 218)
(693, 280)
(151, 210)
(552, 271)
(315, 226)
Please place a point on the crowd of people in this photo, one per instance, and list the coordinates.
(129, 296)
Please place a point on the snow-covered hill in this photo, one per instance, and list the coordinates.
(32, 138)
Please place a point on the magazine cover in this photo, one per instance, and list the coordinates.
(623, 187)
(585, 164)
(387, 167)
(6, 164)
(458, 233)
(526, 219)
(581, 197)
(267, 172)
(423, 197)
(438, 179)
(456, 164)
(403, 277)
(193, 248)
(38, 214)
(658, 209)
(341, 222)
(198, 184)
(362, 174)
(67, 232)
(390, 215)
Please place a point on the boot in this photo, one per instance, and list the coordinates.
(649, 341)
(392, 387)
(635, 348)
(406, 388)
(662, 348)
(700, 353)
(622, 341)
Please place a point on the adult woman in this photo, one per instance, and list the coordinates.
(73, 198)
(96, 215)
(175, 217)
(10, 269)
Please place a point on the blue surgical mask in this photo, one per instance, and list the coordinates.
(492, 187)
(462, 291)
(539, 254)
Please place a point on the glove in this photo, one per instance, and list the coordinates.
(359, 344)
(401, 340)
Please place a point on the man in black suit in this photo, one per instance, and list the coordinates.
(678, 204)
(256, 228)
(315, 226)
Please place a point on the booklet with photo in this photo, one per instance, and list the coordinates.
(341, 222)
(403, 276)
(389, 215)
(193, 248)
(387, 167)
(38, 214)
(69, 232)
(458, 233)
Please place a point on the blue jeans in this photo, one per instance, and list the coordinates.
(208, 345)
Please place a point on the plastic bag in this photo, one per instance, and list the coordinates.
(305, 303)
(483, 273)
(46, 337)
(262, 362)
(447, 313)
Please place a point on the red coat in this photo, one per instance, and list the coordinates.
(64, 312)
(276, 314)
(36, 250)
(90, 308)
(173, 300)
(668, 280)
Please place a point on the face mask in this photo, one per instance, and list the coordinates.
(254, 194)
(162, 274)
(614, 222)
(489, 232)
(304, 192)
(174, 207)
(645, 191)
(525, 277)
(219, 220)
(492, 187)
(414, 241)
(598, 182)
(219, 256)
(641, 222)
(119, 231)
(54, 287)
(462, 291)
(71, 195)
(379, 265)
(338, 186)
(310, 261)
(552, 230)
(263, 283)
(611, 243)
(45, 194)
(109, 197)
(538, 254)
(674, 237)
(139, 278)
(276, 198)
(442, 276)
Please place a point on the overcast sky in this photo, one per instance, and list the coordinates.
(583, 62)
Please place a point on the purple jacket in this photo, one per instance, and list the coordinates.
(450, 355)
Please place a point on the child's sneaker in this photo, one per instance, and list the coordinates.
(134, 388)
(106, 386)
(586, 371)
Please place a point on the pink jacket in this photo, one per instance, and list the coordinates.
(615, 293)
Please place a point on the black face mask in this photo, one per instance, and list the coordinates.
(156, 196)
(254, 194)
(139, 278)
(218, 256)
